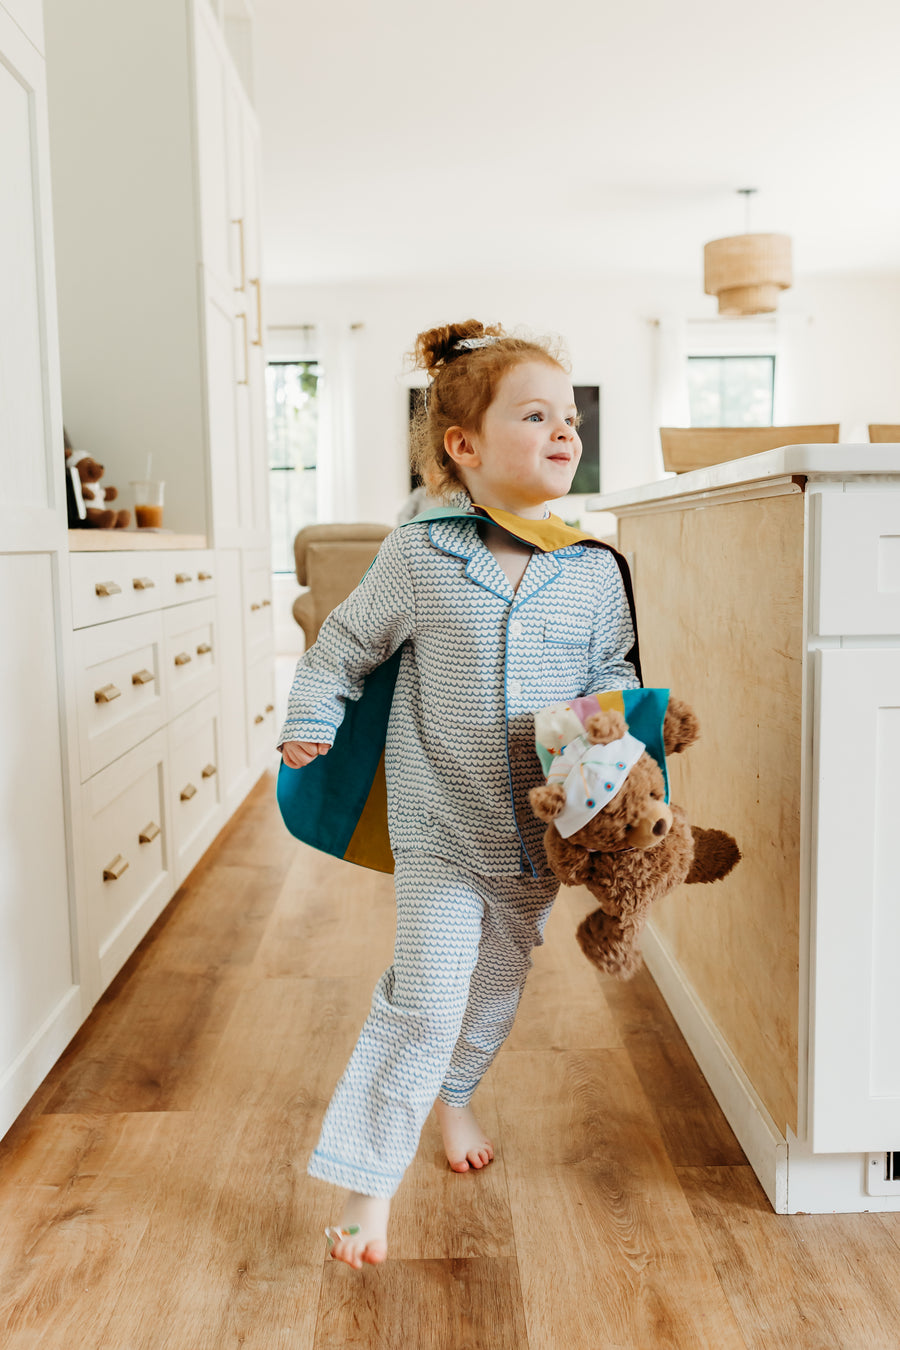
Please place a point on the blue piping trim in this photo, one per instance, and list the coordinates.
(353, 1167)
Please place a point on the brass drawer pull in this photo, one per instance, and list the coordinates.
(266, 602)
(188, 792)
(182, 577)
(270, 707)
(254, 607)
(112, 871)
(108, 588)
(142, 677)
(182, 659)
(204, 576)
(107, 694)
(209, 771)
(258, 718)
(203, 648)
(148, 833)
(144, 583)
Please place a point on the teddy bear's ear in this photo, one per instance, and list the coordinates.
(605, 726)
(547, 800)
(680, 728)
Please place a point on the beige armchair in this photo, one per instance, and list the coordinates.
(331, 561)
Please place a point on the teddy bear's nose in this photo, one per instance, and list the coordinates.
(661, 827)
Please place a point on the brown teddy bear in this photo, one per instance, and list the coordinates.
(98, 516)
(633, 848)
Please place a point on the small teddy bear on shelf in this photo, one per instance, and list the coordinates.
(609, 825)
(97, 515)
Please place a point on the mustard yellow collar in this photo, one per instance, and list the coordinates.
(548, 535)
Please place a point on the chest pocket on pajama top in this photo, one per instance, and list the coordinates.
(564, 660)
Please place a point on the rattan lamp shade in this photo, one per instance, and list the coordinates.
(746, 272)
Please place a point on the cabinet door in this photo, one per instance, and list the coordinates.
(855, 1090)
(41, 1003)
(212, 150)
(227, 373)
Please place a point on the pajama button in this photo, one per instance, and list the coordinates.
(515, 688)
(516, 628)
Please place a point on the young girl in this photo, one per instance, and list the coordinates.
(499, 610)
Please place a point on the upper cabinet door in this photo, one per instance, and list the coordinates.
(212, 146)
(31, 478)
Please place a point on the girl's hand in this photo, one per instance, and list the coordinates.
(296, 754)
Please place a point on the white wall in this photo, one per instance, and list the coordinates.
(845, 357)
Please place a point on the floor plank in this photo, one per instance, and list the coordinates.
(799, 1282)
(597, 1207)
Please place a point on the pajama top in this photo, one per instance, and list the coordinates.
(476, 659)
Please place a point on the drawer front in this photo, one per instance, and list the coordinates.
(195, 791)
(262, 729)
(189, 574)
(258, 626)
(119, 688)
(859, 563)
(114, 585)
(190, 654)
(127, 856)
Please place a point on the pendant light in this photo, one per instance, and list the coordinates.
(746, 271)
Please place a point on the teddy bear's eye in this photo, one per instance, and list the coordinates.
(657, 796)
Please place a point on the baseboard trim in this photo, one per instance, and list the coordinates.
(29, 1069)
(756, 1132)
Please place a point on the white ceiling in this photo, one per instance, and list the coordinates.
(403, 138)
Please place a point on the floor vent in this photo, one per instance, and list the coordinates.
(883, 1174)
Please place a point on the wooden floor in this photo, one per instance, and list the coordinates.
(154, 1193)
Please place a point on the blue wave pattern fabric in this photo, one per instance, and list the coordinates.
(439, 1015)
(476, 658)
(472, 883)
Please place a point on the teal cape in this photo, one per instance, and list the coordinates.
(338, 802)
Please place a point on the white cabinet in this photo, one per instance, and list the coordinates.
(42, 1000)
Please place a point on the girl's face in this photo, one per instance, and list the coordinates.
(528, 449)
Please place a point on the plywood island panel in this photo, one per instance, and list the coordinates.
(719, 592)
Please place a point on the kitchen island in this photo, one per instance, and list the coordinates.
(768, 597)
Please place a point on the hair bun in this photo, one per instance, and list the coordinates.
(437, 346)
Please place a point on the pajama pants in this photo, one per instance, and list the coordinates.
(439, 1015)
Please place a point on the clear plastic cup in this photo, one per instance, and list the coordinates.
(148, 503)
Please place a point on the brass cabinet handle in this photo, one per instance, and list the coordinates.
(148, 833)
(209, 771)
(188, 792)
(246, 379)
(107, 694)
(254, 607)
(258, 718)
(243, 286)
(204, 576)
(108, 588)
(266, 602)
(182, 577)
(143, 583)
(257, 341)
(203, 648)
(270, 707)
(142, 677)
(112, 871)
(182, 659)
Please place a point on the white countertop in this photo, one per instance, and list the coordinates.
(818, 461)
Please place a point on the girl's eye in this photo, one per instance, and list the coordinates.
(571, 421)
(532, 416)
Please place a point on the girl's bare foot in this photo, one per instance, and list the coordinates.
(465, 1142)
(368, 1214)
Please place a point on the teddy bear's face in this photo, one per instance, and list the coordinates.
(636, 817)
(89, 471)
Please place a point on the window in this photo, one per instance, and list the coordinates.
(292, 409)
(731, 391)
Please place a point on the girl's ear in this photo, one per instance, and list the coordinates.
(460, 448)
